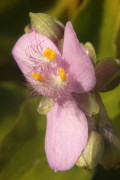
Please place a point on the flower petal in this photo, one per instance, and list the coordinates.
(66, 135)
(81, 67)
(28, 49)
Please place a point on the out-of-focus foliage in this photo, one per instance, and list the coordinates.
(22, 129)
(64, 9)
(22, 132)
(98, 22)
(6, 4)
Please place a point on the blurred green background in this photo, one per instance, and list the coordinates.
(22, 129)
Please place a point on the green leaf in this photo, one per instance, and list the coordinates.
(98, 21)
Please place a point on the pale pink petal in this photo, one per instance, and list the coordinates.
(81, 67)
(66, 135)
(28, 50)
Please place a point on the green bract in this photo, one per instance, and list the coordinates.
(47, 25)
(45, 105)
(90, 51)
(92, 152)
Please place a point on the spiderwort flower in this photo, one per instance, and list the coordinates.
(57, 76)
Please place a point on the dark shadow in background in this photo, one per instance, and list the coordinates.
(15, 18)
(102, 174)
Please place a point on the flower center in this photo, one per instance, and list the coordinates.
(51, 83)
(38, 77)
(60, 77)
(62, 74)
(50, 54)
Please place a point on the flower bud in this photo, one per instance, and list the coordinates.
(90, 51)
(27, 29)
(45, 105)
(60, 45)
(103, 123)
(88, 103)
(107, 75)
(111, 156)
(47, 25)
(92, 152)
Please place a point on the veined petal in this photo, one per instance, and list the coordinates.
(66, 135)
(28, 49)
(81, 67)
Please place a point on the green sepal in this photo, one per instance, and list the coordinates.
(90, 51)
(45, 105)
(93, 151)
(47, 25)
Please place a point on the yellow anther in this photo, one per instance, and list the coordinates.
(62, 74)
(50, 54)
(38, 77)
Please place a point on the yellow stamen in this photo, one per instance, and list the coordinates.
(38, 77)
(50, 54)
(62, 74)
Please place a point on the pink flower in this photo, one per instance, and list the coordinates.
(57, 76)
